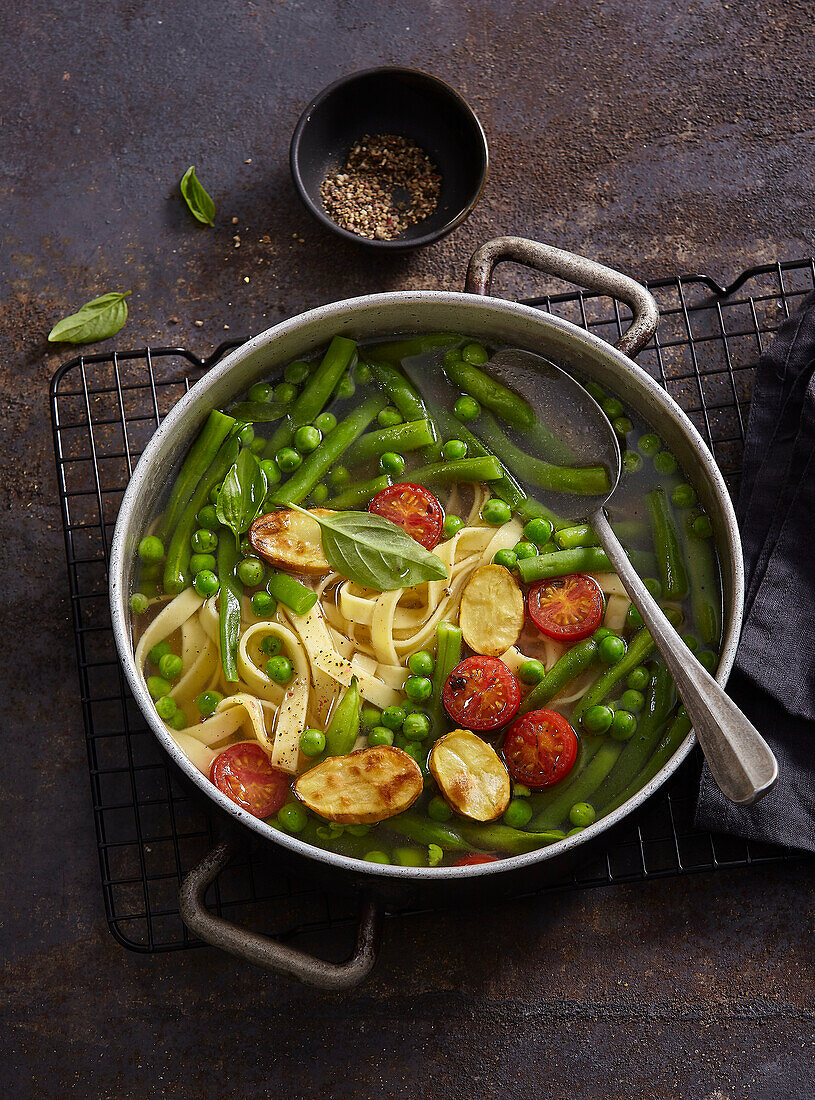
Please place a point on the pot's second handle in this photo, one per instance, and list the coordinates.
(264, 951)
(576, 269)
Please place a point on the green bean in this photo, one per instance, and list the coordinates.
(581, 534)
(676, 733)
(602, 760)
(200, 457)
(257, 412)
(292, 593)
(702, 577)
(571, 664)
(491, 836)
(672, 571)
(403, 437)
(359, 495)
(584, 559)
(491, 394)
(581, 480)
(445, 473)
(402, 393)
(658, 705)
(315, 394)
(177, 562)
(229, 602)
(424, 830)
(397, 350)
(529, 508)
(448, 655)
(343, 729)
(319, 462)
(638, 650)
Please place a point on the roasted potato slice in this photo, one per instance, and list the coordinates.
(492, 611)
(290, 540)
(471, 775)
(363, 787)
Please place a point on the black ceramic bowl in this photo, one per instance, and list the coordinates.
(393, 101)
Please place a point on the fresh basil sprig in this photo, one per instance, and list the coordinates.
(197, 197)
(96, 320)
(373, 552)
(240, 500)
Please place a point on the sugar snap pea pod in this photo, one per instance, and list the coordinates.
(584, 559)
(491, 394)
(676, 733)
(177, 562)
(659, 702)
(358, 494)
(291, 593)
(444, 473)
(319, 462)
(315, 394)
(199, 458)
(343, 729)
(402, 393)
(397, 350)
(573, 662)
(448, 655)
(672, 572)
(703, 579)
(423, 830)
(403, 437)
(583, 788)
(492, 836)
(229, 603)
(581, 480)
(639, 648)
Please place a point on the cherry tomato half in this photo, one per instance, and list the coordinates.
(244, 774)
(566, 608)
(481, 693)
(474, 859)
(540, 749)
(412, 508)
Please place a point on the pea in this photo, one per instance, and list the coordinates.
(292, 818)
(284, 393)
(517, 814)
(496, 512)
(377, 857)
(296, 372)
(357, 830)
(622, 426)
(389, 417)
(271, 645)
(261, 392)
(151, 550)
(207, 701)
(451, 526)
(418, 688)
(326, 422)
(525, 550)
(538, 531)
(582, 814)
(597, 719)
(392, 463)
(519, 790)
(288, 459)
(649, 444)
(707, 659)
(466, 409)
(312, 742)
(307, 439)
(691, 641)
(451, 356)
(612, 407)
(654, 587)
(684, 496)
(623, 725)
(139, 603)
(264, 605)
(596, 391)
(421, 663)
(166, 707)
(507, 558)
(454, 449)
(246, 435)
(380, 735)
(632, 462)
(393, 717)
(603, 632)
(204, 541)
(345, 388)
(438, 809)
(416, 727)
(339, 476)
(170, 666)
(531, 672)
(362, 374)
(638, 678)
(208, 517)
(178, 720)
(279, 669)
(611, 649)
(474, 353)
(158, 651)
(370, 716)
(664, 462)
(206, 583)
(251, 572)
(158, 686)
(632, 700)
(409, 857)
(202, 561)
(702, 527)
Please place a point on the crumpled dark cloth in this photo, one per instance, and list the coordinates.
(774, 676)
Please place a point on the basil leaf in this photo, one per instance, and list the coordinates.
(375, 553)
(96, 320)
(197, 198)
(240, 500)
(257, 412)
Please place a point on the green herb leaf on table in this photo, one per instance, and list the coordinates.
(197, 197)
(96, 320)
(375, 553)
(240, 500)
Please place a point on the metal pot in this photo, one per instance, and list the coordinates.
(493, 320)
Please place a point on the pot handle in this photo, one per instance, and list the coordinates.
(264, 951)
(576, 269)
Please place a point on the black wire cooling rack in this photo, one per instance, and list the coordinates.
(151, 826)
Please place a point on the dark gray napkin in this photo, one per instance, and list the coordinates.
(774, 677)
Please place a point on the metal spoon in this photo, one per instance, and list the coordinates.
(740, 760)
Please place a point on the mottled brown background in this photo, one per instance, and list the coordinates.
(660, 137)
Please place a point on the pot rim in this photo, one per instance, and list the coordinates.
(343, 308)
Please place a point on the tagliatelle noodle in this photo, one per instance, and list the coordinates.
(168, 620)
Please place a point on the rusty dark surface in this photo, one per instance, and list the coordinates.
(657, 137)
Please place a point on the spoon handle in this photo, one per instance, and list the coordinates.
(739, 758)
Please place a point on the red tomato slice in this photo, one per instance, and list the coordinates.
(474, 859)
(244, 774)
(412, 508)
(540, 749)
(566, 608)
(481, 693)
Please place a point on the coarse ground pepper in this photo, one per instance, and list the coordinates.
(386, 184)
